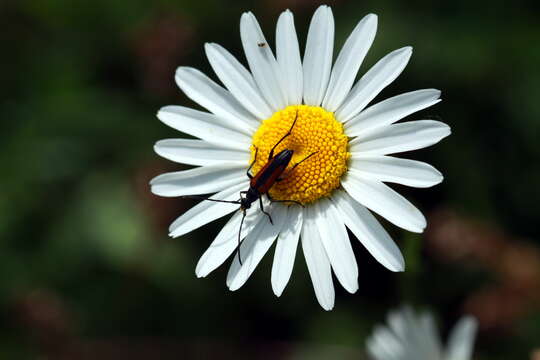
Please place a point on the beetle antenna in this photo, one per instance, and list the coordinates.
(239, 235)
(271, 154)
(205, 198)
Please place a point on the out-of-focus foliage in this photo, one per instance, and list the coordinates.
(87, 270)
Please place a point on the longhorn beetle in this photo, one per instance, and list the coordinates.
(263, 181)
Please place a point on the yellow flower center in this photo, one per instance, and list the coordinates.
(317, 132)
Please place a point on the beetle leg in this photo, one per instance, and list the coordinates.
(289, 201)
(271, 155)
(301, 161)
(239, 235)
(264, 212)
(295, 165)
(283, 201)
(253, 163)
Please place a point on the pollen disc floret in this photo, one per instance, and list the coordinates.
(315, 131)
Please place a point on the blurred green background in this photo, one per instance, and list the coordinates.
(86, 268)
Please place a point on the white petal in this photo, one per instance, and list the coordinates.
(391, 110)
(318, 55)
(203, 125)
(285, 253)
(348, 62)
(397, 323)
(207, 211)
(199, 152)
(416, 342)
(199, 88)
(238, 80)
(262, 63)
(288, 58)
(381, 199)
(396, 170)
(369, 232)
(383, 345)
(226, 242)
(317, 261)
(255, 245)
(428, 337)
(201, 180)
(400, 137)
(370, 85)
(337, 244)
(461, 339)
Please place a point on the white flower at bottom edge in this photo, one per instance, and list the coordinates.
(337, 185)
(410, 336)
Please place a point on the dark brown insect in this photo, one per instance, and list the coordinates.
(261, 44)
(263, 181)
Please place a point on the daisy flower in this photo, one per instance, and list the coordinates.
(410, 336)
(337, 185)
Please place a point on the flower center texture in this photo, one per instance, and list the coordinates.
(315, 131)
